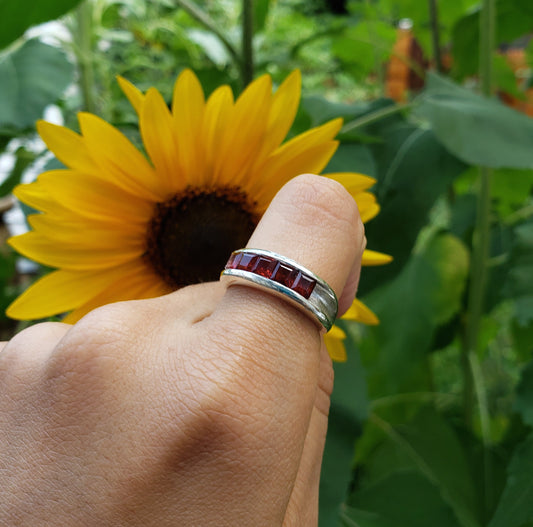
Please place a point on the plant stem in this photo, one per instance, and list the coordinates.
(210, 24)
(481, 241)
(247, 42)
(373, 117)
(487, 44)
(480, 254)
(83, 39)
(435, 33)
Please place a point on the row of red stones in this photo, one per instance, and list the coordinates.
(274, 270)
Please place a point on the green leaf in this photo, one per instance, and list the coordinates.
(16, 16)
(430, 446)
(364, 47)
(524, 395)
(261, 9)
(31, 77)
(523, 337)
(349, 407)
(321, 110)
(515, 18)
(352, 158)
(510, 190)
(413, 171)
(426, 293)
(518, 285)
(402, 499)
(478, 130)
(515, 507)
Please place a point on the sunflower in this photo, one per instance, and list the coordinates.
(117, 224)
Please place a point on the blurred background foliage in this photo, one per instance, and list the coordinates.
(432, 414)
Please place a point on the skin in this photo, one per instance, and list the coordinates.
(204, 407)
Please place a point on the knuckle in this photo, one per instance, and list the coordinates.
(23, 356)
(96, 347)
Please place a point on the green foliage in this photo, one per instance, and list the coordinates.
(401, 499)
(515, 18)
(514, 509)
(407, 444)
(519, 285)
(31, 77)
(425, 294)
(16, 17)
(477, 130)
(349, 409)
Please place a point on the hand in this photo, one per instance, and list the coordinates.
(204, 407)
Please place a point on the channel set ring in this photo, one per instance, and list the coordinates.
(283, 278)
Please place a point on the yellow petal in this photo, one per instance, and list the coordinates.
(375, 258)
(309, 139)
(285, 104)
(118, 160)
(311, 161)
(351, 181)
(244, 133)
(60, 291)
(136, 285)
(299, 148)
(334, 341)
(360, 313)
(218, 110)
(367, 205)
(90, 234)
(35, 196)
(86, 196)
(188, 106)
(67, 256)
(134, 95)
(67, 146)
(159, 139)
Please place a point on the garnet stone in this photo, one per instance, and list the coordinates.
(273, 269)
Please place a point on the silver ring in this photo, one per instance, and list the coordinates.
(285, 278)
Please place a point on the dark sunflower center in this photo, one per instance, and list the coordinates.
(191, 236)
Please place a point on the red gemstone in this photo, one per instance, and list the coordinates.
(303, 285)
(265, 266)
(233, 261)
(229, 265)
(247, 262)
(282, 274)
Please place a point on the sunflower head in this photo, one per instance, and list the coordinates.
(117, 224)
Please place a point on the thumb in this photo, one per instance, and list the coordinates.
(315, 222)
(274, 346)
(268, 351)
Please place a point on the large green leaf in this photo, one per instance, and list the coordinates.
(351, 157)
(478, 130)
(413, 171)
(349, 407)
(31, 77)
(402, 499)
(431, 447)
(424, 295)
(515, 508)
(17, 16)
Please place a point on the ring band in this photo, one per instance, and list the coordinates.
(285, 278)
